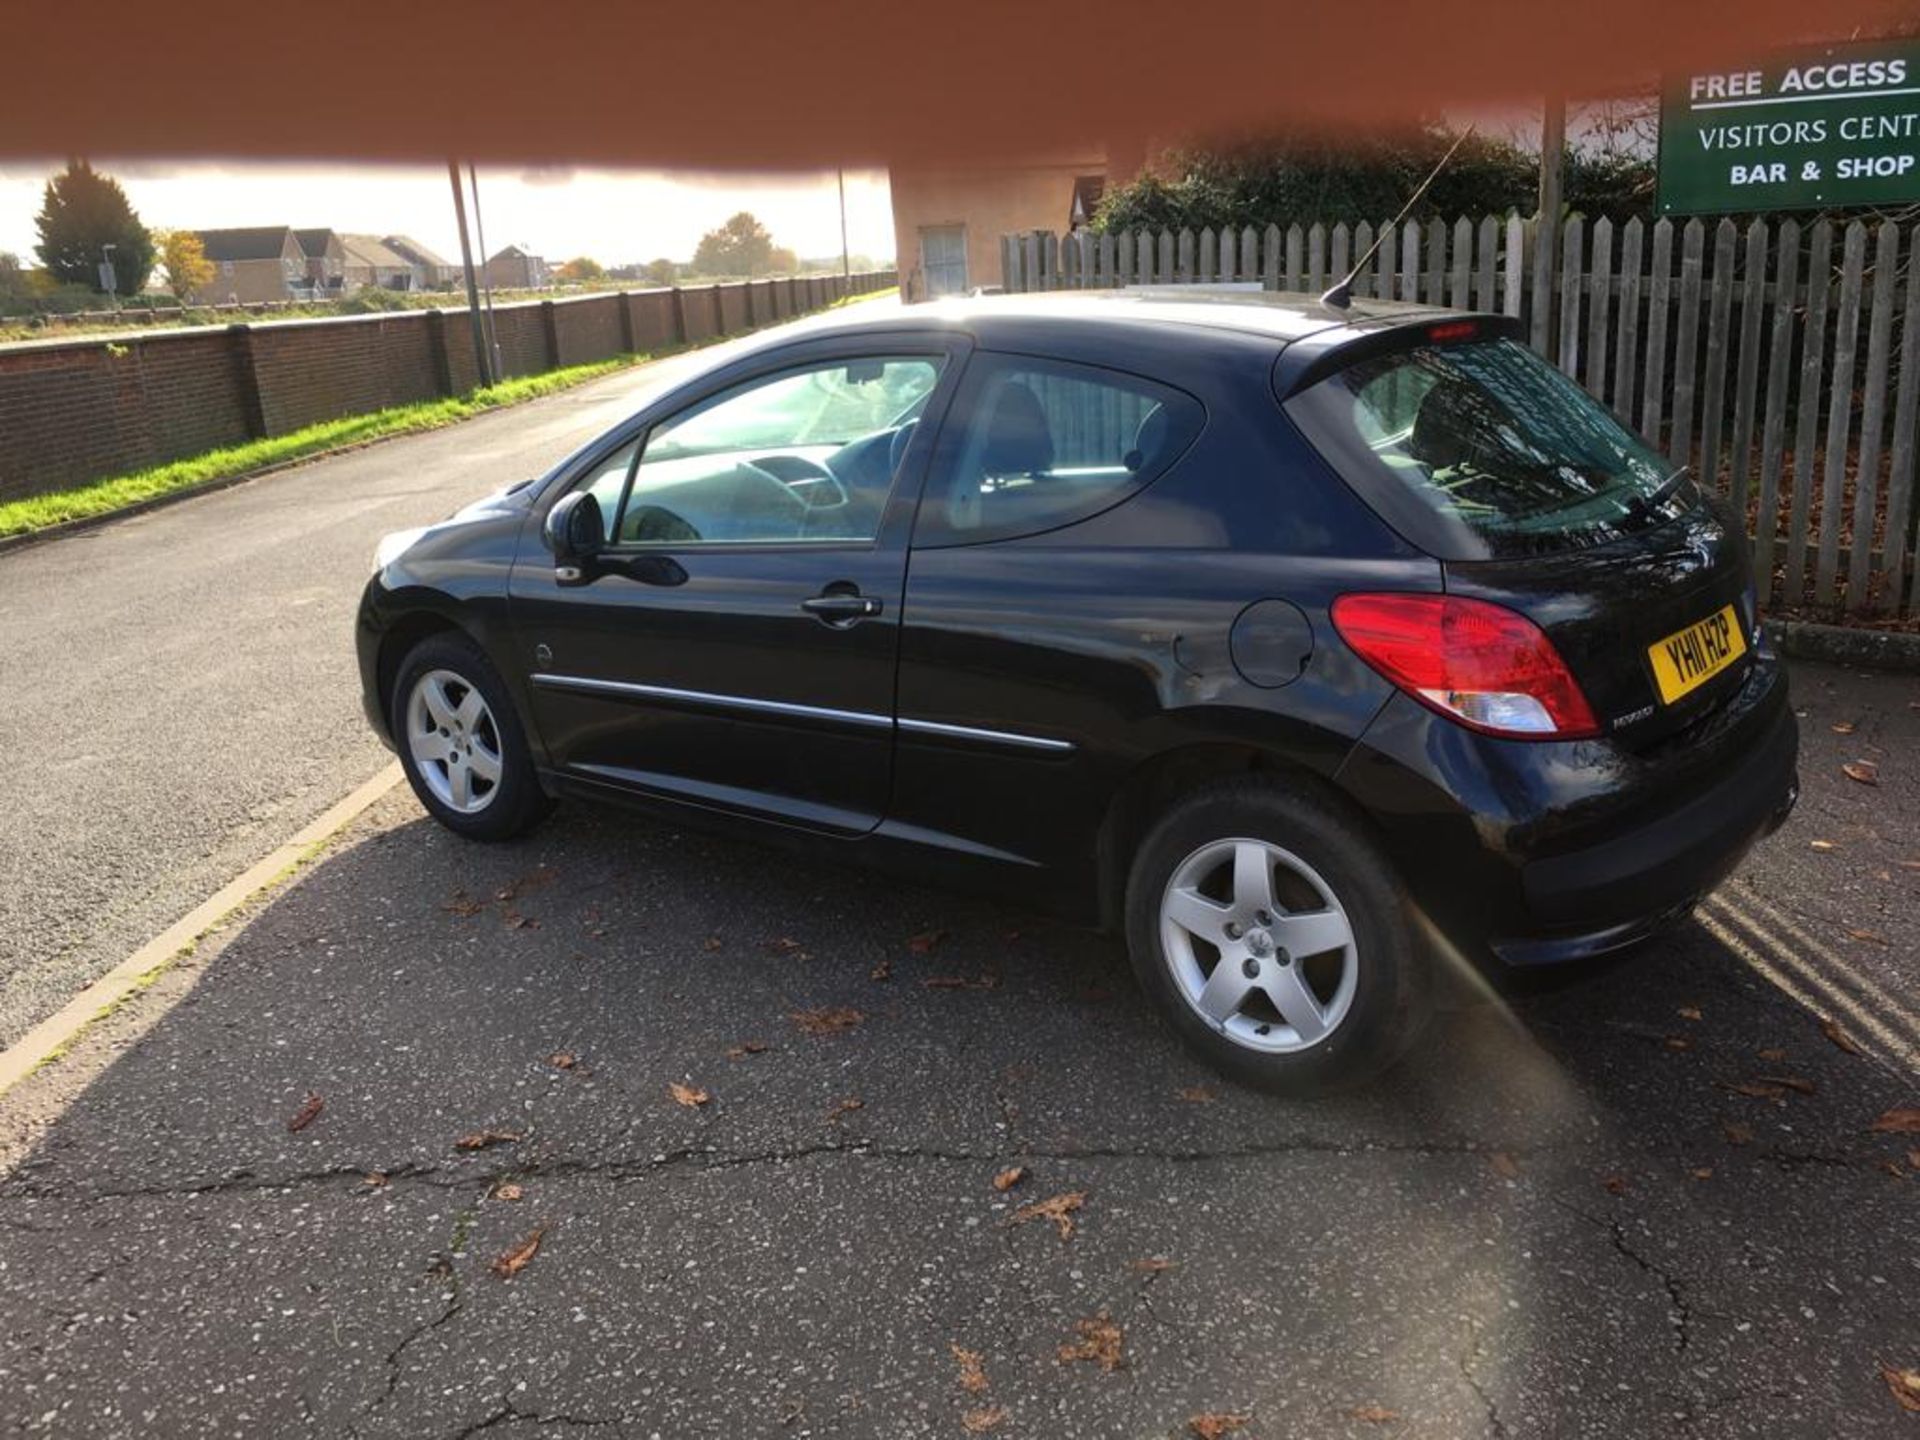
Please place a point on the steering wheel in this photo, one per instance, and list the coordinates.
(801, 476)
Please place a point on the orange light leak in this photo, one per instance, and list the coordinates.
(727, 84)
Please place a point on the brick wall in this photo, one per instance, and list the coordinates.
(74, 411)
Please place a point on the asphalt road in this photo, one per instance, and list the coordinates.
(1559, 1219)
(180, 693)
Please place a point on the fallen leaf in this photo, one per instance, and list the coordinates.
(1772, 1055)
(846, 1106)
(1842, 727)
(1154, 1264)
(1757, 1092)
(1373, 1414)
(827, 1021)
(1908, 864)
(882, 971)
(983, 1419)
(307, 1113)
(482, 1139)
(1865, 771)
(374, 1179)
(925, 942)
(1822, 845)
(1702, 1172)
(509, 1263)
(1901, 1120)
(1100, 1341)
(1504, 1165)
(785, 945)
(1791, 1082)
(746, 1048)
(1892, 1167)
(1615, 1184)
(1737, 1134)
(1689, 1012)
(1913, 1159)
(1009, 1177)
(1215, 1424)
(1830, 1028)
(712, 942)
(1872, 937)
(691, 1096)
(973, 1374)
(535, 878)
(463, 904)
(1057, 1208)
(508, 1191)
(962, 982)
(1904, 1385)
(1679, 1042)
(516, 921)
(1197, 1095)
(563, 1060)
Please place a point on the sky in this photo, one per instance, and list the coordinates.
(557, 212)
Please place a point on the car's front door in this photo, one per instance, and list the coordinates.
(735, 646)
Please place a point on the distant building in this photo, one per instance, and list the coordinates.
(947, 221)
(326, 261)
(514, 269)
(371, 262)
(434, 272)
(252, 266)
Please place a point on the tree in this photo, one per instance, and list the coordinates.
(783, 261)
(82, 213)
(581, 267)
(742, 246)
(660, 272)
(184, 259)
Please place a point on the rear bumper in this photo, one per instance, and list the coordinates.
(1544, 853)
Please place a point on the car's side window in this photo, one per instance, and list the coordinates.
(607, 482)
(809, 454)
(1043, 443)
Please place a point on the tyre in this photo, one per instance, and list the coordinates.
(1275, 939)
(460, 741)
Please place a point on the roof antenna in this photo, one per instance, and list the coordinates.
(1341, 295)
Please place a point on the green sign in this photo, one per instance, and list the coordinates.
(1825, 128)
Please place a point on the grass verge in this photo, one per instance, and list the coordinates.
(38, 512)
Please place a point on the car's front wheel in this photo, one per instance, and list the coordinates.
(1273, 937)
(460, 741)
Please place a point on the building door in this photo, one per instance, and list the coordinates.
(943, 259)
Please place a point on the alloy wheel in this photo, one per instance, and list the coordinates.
(1259, 945)
(454, 741)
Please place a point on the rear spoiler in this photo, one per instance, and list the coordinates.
(1314, 357)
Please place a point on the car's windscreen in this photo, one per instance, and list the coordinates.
(1483, 449)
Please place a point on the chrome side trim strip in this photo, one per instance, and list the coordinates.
(717, 702)
(989, 737)
(863, 718)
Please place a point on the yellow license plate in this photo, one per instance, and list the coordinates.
(1688, 658)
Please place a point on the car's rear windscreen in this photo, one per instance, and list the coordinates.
(1482, 449)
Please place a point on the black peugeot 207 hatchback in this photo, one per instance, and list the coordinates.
(1298, 644)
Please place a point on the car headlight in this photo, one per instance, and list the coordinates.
(392, 547)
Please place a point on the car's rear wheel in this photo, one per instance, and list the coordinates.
(460, 741)
(1273, 937)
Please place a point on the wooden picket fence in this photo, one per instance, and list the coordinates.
(1780, 362)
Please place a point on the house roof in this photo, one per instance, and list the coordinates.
(369, 250)
(261, 242)
(1087, 190)
(314, 243)
(512, 252)
(413, 250)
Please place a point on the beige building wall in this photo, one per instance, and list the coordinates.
(251, 282)
(986, 202)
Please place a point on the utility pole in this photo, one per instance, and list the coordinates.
(1546, 238)
(486, 280)
(846, 265)
(1553, 150)
(480, 357)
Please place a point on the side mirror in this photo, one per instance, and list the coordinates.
(576, 534)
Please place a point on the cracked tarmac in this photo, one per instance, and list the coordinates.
(1551, 1221)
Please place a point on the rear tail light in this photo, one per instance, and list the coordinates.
(1481, 664)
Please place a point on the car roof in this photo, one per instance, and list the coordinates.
(1280, 316)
